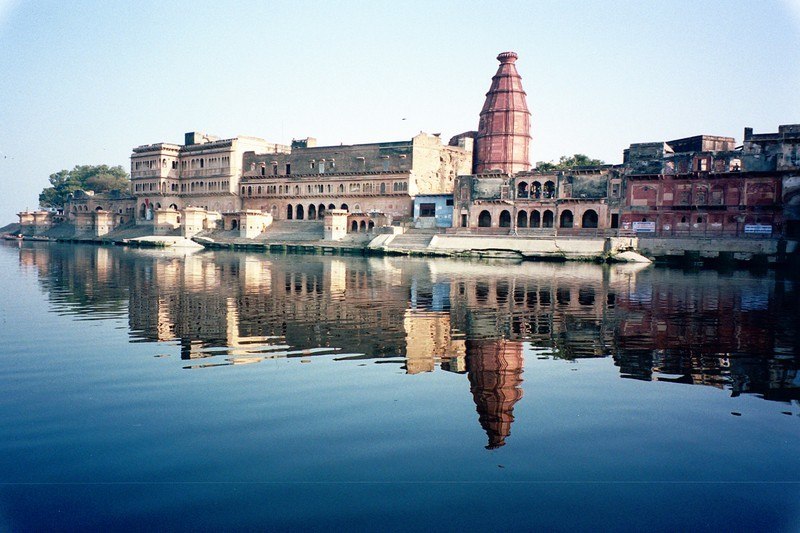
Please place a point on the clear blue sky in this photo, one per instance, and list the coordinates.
(84, 82)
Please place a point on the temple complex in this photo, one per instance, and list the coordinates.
(480, 183)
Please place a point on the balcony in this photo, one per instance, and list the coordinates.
(154, 173)
(207, 173)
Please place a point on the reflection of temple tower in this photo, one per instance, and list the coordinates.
(504, 131)
(494, 368)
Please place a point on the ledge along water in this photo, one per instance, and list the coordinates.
(307, 237)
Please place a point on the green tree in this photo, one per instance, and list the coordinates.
(97, 178)
(568, 162)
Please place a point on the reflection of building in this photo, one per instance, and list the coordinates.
(494, 368)
(705, 330)
(533, 302)
(733, 331)
(429, 340)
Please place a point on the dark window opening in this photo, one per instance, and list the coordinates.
(427, 210)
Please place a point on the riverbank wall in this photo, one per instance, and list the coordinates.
(307, 238)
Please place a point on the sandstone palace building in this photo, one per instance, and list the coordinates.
(306, 180)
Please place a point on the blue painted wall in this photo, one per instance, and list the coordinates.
(444, 212)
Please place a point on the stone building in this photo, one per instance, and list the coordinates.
(203, 172)
(780, 152)
(504, 195)
(579, 201)
(705, 186)
(119, 204)
(307, 180)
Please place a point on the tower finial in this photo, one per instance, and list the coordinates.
(507, 57)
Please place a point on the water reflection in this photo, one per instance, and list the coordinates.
(731, 331)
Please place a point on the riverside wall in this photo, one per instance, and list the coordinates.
(554, 248)
(694, 251)
(766, 250)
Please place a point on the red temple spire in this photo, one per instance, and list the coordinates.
(504, 132)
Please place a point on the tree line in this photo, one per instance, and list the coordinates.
(97, 178)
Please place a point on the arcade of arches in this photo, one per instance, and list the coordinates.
(537, 218)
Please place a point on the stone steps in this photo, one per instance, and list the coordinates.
(294, 231)
(412, 241)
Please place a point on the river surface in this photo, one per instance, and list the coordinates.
(212, 390)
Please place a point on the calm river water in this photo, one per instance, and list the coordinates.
(160, 389)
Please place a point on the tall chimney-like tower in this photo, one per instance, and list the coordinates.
(504, 131)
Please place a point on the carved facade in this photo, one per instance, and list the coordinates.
(705, 187)
(582, 201)
(203, 172)
(308, 180)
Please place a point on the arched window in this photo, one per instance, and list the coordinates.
(312, 212)
(299, 212)
(249, 191)
(331, 206)
(354, 227)
(547, 219)
(549, 189)
(363, 226)
(321, 211)
(484, 220)
(383, 188)
(344, 206)
(537, 189)
(565, 221)
(505, 219)
(522, 219)
(370, 226)
(535, 219)
(234, 224)
(522, 190)
(289, 212)
(589, 219)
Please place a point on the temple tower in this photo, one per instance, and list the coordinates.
(504, 132)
